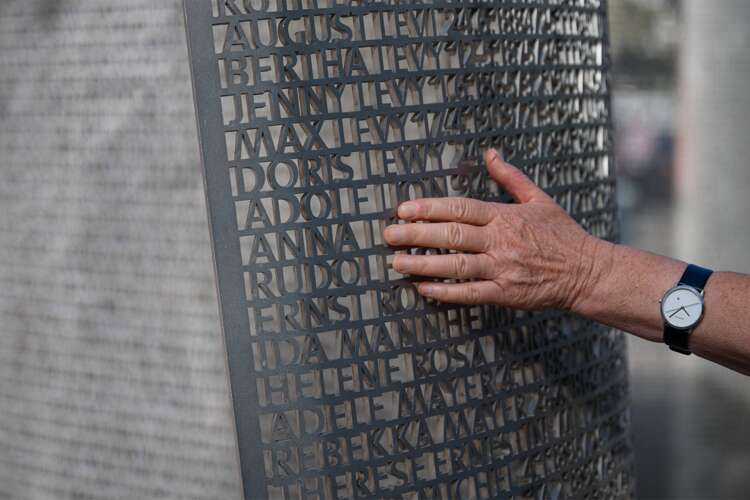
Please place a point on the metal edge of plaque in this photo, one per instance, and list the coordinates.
(224, 243)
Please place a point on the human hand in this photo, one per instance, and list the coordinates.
(529, 255)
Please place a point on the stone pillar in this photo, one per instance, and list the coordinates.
(712, 229)
(112, 376)
(713, 168)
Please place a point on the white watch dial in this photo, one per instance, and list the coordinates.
(682, 307)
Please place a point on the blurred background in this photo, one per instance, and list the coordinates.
(681, 104)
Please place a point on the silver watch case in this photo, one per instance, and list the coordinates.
(699, 293)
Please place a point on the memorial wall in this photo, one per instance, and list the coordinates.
(316, 120)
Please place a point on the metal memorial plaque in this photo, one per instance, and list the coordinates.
(316, 119)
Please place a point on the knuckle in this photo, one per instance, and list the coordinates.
(454, 234)
(493, 241)
(489, 241)
(489, 266)
(496, 212)
(472, 294)
(461, 264)
(460, 208)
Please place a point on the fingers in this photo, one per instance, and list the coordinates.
(460, 266)
(515, 182)
(463, 210)
(450, 235)
(475, 292)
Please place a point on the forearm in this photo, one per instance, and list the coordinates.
(623, 288)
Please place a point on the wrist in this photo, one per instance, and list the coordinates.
(595, 265)
(623, 286)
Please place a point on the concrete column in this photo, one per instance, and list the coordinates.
(712, 404)
(714, 156)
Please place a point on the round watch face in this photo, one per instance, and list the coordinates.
(682, 307)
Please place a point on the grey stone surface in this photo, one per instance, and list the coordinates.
(112, 372)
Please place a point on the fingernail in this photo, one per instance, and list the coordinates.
(397, 262)
(426, 288)
(401, 263)
(394, 234)
(407, 210)
(493, 154)
(498, 154)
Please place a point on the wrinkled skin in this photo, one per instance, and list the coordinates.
(533, 255)
(530, 255)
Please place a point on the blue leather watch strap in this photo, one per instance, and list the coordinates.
(679, 340)
(695, 276)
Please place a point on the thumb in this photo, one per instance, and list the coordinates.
(515, 182)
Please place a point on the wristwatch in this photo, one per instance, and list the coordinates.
(682, 307)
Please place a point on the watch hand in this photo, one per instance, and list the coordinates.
(678, 310)
(683, 308)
